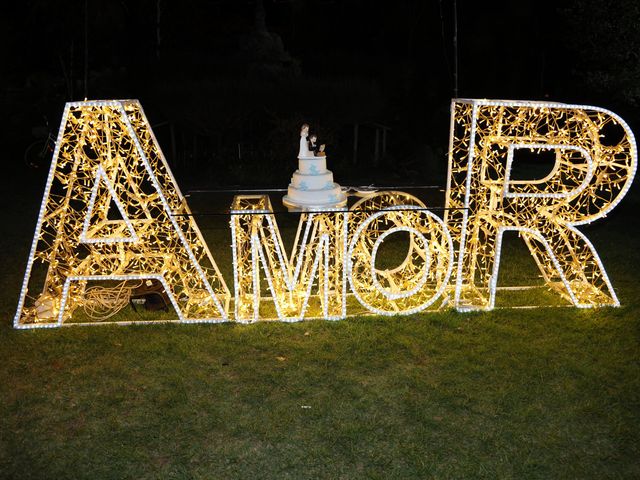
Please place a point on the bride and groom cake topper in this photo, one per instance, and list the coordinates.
(308, 147)
(312, 186)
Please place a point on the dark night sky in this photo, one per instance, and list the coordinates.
(225, 74)
(507, 40)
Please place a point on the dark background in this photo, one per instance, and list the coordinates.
(227, 83)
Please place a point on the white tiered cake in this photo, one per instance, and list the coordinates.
(312, 185)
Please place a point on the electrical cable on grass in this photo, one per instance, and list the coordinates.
(102, 303)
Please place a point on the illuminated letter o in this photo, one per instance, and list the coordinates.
(423, 275)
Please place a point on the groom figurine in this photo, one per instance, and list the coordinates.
(313, 148)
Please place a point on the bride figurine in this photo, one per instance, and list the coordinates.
(304, 145)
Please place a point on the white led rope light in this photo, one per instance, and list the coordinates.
(581, 120)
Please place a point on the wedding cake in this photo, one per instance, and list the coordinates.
(312, 185)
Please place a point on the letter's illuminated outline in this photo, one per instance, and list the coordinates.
(318, 254)
(587, 181)
(421, 278)
(110, 143)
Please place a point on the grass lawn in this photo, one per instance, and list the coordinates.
(543, 393)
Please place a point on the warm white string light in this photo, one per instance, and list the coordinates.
(424, 274)
(589, 178)
(106, 152)
(318, 256)
(110, 144)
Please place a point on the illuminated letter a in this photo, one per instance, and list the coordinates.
(595, 161)
(113, 211)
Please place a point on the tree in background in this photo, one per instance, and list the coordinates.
(603, 40)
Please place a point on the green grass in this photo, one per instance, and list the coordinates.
(545, 393)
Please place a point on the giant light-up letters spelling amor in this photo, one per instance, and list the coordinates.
(106, 154)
